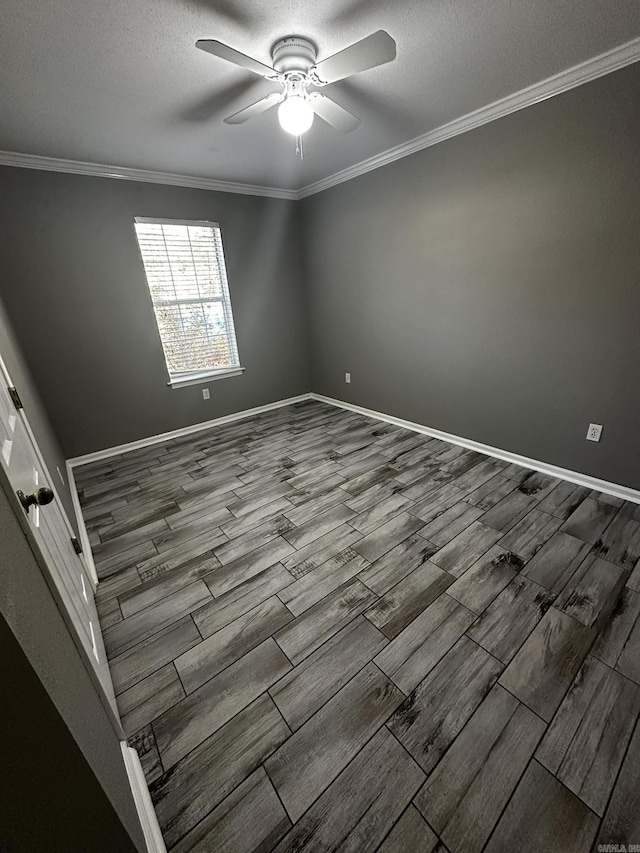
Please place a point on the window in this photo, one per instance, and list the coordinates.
(184, 265)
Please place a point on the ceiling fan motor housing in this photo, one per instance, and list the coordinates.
(293, 54)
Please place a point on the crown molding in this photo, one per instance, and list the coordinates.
(591, 69)
(124, 173)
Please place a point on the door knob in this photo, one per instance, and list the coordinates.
(40, 497)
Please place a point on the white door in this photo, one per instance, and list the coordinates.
(52, 534)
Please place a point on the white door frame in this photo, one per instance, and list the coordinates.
(142, 799)
(42, 561)
(46, 573)
(82, 528)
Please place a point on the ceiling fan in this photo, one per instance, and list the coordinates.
(295, 68)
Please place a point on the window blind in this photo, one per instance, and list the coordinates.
(186, 274)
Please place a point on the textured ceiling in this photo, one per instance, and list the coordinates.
(120, 82)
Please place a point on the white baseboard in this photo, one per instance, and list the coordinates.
(614, 489)
(108, 452)
(624, 492)
(142, 799)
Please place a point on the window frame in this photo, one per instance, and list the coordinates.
(195, 377)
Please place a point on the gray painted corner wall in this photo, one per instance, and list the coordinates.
(80, 306)
(35, 412)
(30, 611)
(486, 286)
(489, 286)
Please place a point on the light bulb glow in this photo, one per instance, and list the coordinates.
(295, 115)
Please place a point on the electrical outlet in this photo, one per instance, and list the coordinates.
(206, 394)
(347, 378)
(594, 432)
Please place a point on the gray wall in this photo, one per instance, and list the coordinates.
(77, 736)
(75, 290)
(38, 418)
(489, 286)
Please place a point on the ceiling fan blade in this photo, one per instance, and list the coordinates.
(371, 51)
(217, 48)
(333, 113)
(260, 106)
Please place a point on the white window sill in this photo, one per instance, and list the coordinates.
(209, 376)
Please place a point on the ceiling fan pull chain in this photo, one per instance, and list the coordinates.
(299, 147)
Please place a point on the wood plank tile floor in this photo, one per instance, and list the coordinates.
(328, 633)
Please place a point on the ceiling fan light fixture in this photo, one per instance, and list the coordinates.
(295, 115)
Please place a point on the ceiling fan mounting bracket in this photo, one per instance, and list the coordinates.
(293, 54)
